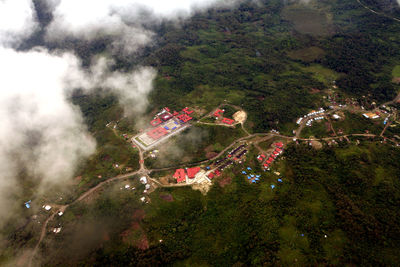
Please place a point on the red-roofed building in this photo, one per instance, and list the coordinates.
(175, 113)
(227, 121)
(280, 144)
(157, 133)
(273, 156)
(167, 109)
(210, 175)
(218, 113)
(217, 173)
(165, 116)
(263, 156)
(259, 158)
(278, 150)
(156, 122)
(187, 111)
(276, 153)
(184, 118)
(192, 172)
(180, 175)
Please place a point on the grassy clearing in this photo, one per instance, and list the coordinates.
(308, 54)
(307, 21)
(318, 129)
(321, 74)
(396, 71)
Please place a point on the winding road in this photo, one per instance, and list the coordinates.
(377, 13)
(144, 171)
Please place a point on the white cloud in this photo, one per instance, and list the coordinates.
(17, 20)
(41, 131)
(121, 20)
(132, 88)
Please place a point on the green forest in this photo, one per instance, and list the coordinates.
(335, 206)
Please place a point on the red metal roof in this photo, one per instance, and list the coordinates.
(184, 118)
(227, 121)
(165, 116)
(187, 111)
(210, 175)
(180, 175)
(218, 112)
(157, 133)
(167, 109)
(155, 122)
(192, 172)
(175, 113)
(278, 149)
(217, 173)
(276, 153)
(280, 144)
(262, 155)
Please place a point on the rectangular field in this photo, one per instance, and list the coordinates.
(154, 136)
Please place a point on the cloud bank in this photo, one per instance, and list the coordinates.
(124, 21)
(132, 88)
(42, 133)
(17, 21)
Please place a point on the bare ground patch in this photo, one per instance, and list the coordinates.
(135, 235)
(210, 155)
(167, 197)
(224, 182)
(316, 144)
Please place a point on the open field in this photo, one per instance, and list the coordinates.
(307, 20)
(322, 74)
(396, 71)
(308, 54)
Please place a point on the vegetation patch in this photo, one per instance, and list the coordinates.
(308, 54)
(396, 72)
(308, 21)
(322, 74)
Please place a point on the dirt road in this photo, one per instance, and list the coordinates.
(144, 171)
(378, 13)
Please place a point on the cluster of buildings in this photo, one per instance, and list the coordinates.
(235, 155)
(213, 174)
(278, 150)
(189, 173)
(253, 178)
(310, 121)
(370, 115)
(219, 113)
(311, 114)
(165, 123)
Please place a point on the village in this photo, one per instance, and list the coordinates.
(167, 124)
(246, 155)
(205, 173)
